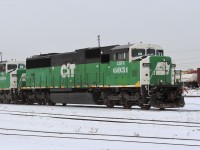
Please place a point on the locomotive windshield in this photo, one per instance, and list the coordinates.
(21, 66)
(12, 66)
(159, 52)
(150, 51)
(138, 52)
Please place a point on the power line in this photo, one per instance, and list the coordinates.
(187, 63)
(180, 54)
(183, 59)
(180, 51)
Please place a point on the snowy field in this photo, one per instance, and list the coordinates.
(192, 92)
(76, 127)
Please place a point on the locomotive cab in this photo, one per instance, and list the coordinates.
(9, 80)
(8, 76)
(158, 88)
(149, 73)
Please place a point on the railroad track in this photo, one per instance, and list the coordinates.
(111, 137)
(191, 95)
(105, 119)
(133, 108)
(101, 137)
(119, 107)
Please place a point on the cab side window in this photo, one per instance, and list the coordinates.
(2, 68)
(120, 56)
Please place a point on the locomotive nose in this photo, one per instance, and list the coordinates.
(160, 70)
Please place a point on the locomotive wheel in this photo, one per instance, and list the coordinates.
(39, 102)
(145, 107)
(125, 103)
(110, 104)
(50, 103)
(6, 101)
(96, 98)
(127, 106)
(16, 101)
(64, 104)
(29, 102)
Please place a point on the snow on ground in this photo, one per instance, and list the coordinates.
(87, 134)
(191, 92)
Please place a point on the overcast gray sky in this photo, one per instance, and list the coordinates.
(30, 27)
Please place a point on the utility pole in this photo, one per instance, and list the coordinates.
(1, 55)
(98, 40)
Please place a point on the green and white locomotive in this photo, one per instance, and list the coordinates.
(127, 75)
(9, 80)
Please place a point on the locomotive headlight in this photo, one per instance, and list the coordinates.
(146, 64)
(173, 65)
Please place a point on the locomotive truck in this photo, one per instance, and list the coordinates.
(126, 75)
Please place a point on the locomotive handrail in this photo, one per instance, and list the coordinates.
(20, 82)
